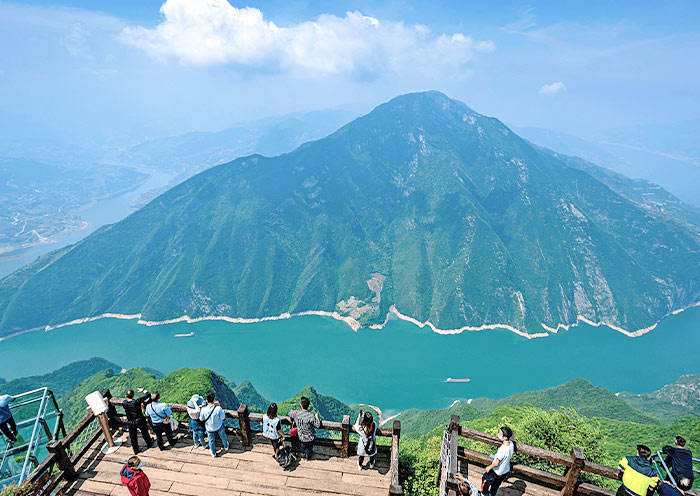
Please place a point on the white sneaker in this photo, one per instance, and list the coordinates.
(372, 463)
(205, 448)
(225, 449)
(213, 455)
(359, 467)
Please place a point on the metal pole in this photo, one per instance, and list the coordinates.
(33, 438)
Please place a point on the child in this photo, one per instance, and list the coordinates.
(134, 479)
(366, 427)
(272, 428)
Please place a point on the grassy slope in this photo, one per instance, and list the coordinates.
(584, 397)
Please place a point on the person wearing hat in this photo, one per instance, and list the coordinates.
(194, 406)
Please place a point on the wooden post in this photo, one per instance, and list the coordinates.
(63, 460)
(244, 422)
(346, 437)
(451, 482)
(573, 472)
(395, 487)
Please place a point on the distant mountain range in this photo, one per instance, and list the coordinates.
(422, 205)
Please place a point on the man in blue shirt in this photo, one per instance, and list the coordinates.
(213, 417)
(7, 421)
(160, 414)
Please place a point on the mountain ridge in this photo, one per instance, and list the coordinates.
(422, 205)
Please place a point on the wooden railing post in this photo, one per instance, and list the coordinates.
(63, 460)
(451, 481)
(573, 472)
(395, 487)
(244, 422)
(345, 437)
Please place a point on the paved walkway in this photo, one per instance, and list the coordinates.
(242, 471)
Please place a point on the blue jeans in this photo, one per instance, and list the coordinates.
(307, 449)
(212, 439)
(198, 437)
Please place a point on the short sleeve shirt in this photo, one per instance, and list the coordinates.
(504, 453)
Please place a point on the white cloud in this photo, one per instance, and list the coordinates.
(552, 89)
(208, 32)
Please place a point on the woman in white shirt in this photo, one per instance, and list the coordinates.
(366, 427)
(499, 468)
(272, 428)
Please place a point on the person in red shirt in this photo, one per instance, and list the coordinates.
(134, 478)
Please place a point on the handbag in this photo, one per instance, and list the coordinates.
(174, 424)
(294, 432)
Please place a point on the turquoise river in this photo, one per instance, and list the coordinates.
(398, 367)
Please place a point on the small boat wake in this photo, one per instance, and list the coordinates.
(188, 335)
(450, 379)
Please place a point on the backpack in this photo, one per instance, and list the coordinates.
(286, 457)
(371, 444)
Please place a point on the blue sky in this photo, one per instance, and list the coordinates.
(122, 71)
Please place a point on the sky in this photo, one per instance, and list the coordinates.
(123, 71)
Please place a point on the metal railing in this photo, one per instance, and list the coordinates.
(48, 411)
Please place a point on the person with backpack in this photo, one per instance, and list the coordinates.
(213, 417)
(7, 421)
(272, 429)
(135, 419)
(496, 473)
(305, 424)
(638, 475)
(196, 426)
(161, 415)
(133, 477)
(680, 460)
(366, 427)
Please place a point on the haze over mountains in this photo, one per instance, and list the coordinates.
(423, 204)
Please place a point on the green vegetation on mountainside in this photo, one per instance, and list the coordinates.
(579, 394)
(62, 380)
(672, 401)
(415, 423)
(328, 407)
(246, 393)
(423, 204)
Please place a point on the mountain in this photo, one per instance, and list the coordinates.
(579, 394)
(623, 151)
(246, 393)
(422, 204)
(674, 400)
(415, 423)
(60, 381)
(328, 407)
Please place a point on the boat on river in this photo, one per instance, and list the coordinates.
(450, 379)
(188, 335)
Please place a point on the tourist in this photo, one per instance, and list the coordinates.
(272, 428)
(667, 489)
(213, 417)
(306, 424)
(134, 478)
(466, 487)
(161, 414)
(495, 473)
(679, 460)
(196, 426)
(7, 421)
(638, 475)
(135, 419)
(366, 427)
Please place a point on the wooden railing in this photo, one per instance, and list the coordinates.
(346, 447)
(569, 484)
(64, 454)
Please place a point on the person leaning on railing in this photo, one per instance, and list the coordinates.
(638, 475)
(496, 473)
(306, 424)
(135, 419)
(161, 415)
(667, 489)
(7, 421)
(680, 460)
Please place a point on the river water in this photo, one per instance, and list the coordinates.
(398, 367)
(97, 214)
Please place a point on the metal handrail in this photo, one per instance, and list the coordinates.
(663, 462)
(34, 441)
